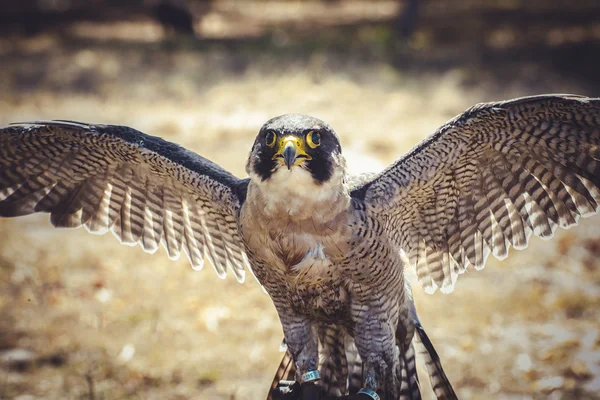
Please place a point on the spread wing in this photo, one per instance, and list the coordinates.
(486, 180)
(142, 188)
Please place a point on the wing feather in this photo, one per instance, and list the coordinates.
(153, 218)
(487, 180)
(145, 190)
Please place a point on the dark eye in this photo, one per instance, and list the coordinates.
(313, 139)
(270, 138)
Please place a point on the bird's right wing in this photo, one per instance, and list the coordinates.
(142, 188)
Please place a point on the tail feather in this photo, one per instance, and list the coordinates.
(409, 386)
(334, 363)
(285, 371)
(355, 367)
(439, 381)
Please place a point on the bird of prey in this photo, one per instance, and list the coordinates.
(329, 249)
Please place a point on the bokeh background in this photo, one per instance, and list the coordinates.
(82, 317)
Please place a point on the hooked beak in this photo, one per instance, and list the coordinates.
(291, 152)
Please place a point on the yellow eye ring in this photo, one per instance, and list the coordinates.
(271, 138)
(313, 139)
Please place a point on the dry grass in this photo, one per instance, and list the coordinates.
(105, 321)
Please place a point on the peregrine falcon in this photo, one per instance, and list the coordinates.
(331, 250)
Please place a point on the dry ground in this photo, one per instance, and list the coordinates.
(90, 319)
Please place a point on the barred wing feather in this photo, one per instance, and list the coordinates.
(144, 189)
(487, 180)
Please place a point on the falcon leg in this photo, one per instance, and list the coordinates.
(302, 342)
(375, 341)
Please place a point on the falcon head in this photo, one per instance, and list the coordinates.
(295, 145)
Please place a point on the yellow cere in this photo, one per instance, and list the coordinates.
(301, 154)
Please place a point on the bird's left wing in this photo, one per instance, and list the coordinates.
(144, 189)
(486, 180)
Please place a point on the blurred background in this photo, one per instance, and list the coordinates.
(82, 317)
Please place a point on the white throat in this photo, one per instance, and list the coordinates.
(296, 193)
